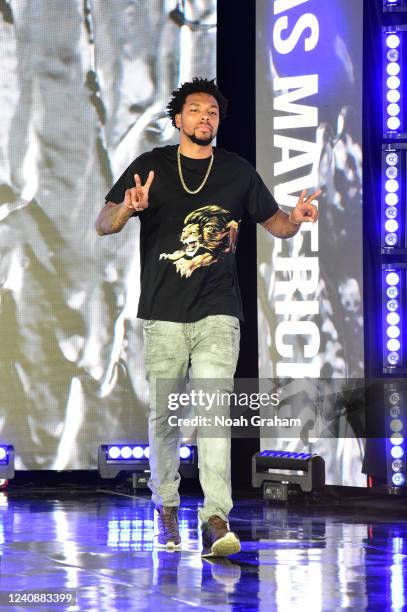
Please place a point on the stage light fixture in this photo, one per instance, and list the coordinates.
(393, 41)
(7, 456)
(134, 458)
(391, 212)
(393, 318)
(391, 199)
(393, 331)
(392, 292)
(393, 55)
(138, 452)
(283, 474)
(396, 438)
(392, 159)
(393, 68)
(393, 96)
(393, 65)
(392, 172)
(393, 82)
(393, 208)
(393, 345)
(393, 110)
(391, 226)
(184, 452)
(394, 277)
(395, 394)
(394, 6)
(396, 425)
(398, 479)
(392, 186)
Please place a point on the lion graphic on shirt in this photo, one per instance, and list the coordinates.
(208, 234)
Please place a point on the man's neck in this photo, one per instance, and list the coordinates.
(191, 149)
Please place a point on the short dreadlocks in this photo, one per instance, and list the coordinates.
(197, 85)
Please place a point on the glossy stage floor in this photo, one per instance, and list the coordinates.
(97, 546)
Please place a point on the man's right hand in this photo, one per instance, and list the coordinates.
(136, 198)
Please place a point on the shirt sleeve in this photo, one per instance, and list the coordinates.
(260, 204)
(126, 181)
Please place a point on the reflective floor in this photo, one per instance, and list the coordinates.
(98, 547)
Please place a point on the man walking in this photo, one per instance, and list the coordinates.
(190, 199)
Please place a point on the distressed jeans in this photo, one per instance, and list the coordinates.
(209, 348)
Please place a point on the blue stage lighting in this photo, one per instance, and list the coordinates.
(392, 199)
(392, 305)
(394, 394)
(114, 452)
(278, 471)
(393, 109)
(285, 454)
(393, 123)
(393, 82)
(398, 479)
(393, 41)
(391, 212)
(126, 452)
(392, 172)
(393, 345)
(393, 359)
(393, 55)
(393, 331)
(393, 96)
(393, 286)
(396, 425)
(6, 462)
(392, 278)
(393, 318)
(391, 240)
(397, 452)
(392, 186)
(114, 458)
(393, 68)
(392, 159)
(392, 292)
(396, 465)
(391, 226)
(184, 452)
(396, 439)
(138, 452)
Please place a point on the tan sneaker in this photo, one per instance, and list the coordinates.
(217, 539)
(168, 533)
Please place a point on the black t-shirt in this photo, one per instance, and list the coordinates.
(187, 242)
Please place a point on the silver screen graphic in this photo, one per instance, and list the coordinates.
(83, 90)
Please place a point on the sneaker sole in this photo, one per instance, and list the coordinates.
(228, 545)
(168, 546)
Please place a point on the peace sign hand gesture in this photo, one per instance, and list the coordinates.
(136, 198)
(304, 210)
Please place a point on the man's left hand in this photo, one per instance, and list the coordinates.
(304, 209)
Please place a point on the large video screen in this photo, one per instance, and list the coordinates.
(83, 91)
(309, 134)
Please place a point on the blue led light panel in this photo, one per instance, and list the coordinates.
(394, 79)
(395, 418)
(393, 199)
(394, 318)
(395, 5)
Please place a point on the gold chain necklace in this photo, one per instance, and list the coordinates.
(182, 178)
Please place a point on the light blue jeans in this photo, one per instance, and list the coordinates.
(210, 348)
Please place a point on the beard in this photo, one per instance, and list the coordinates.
(202, 142)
